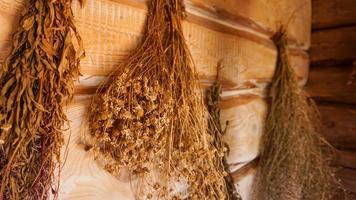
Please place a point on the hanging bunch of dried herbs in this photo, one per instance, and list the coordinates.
(151, 119)
(213, 99)
(292, 164)
(36, 80)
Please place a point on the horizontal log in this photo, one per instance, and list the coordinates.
(333, 13)
(246, 115)
(346, 158)
(334, 45)
(253, 14)
(330, 83)
(81, 176)
(240, 16)
(339, 126)
(111, 30)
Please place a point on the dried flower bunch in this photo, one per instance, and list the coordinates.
(131, 116)
(151, 118)
(292, 164)
(36, 81)
(213, 100)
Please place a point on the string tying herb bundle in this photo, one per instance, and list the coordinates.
(151, 119)
(213, 100)
(36, 80)
(292, 165)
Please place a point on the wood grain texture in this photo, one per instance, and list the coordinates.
(252, 14)
(346, 158)
(244, 186)
(246, 115)
(339, 125)
(81, 177)
(333, 13)
(112, 29)
(331, 84)
(334, 45)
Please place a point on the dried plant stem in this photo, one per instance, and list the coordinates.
(151, 119)
(36, 81)
(213, 100)
(292, 165)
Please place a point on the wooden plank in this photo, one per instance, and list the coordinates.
(346, 158)
(252, 13)
(111, 30)
(249, 16)
(339, 125)
(333, 13)
(246, 115)
(334, 45)
(82, 178)
(331, 84)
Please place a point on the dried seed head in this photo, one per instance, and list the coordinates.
(158, 125)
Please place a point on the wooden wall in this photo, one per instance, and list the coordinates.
(333, 51)
(235, 31)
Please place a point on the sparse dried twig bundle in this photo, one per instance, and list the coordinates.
(36, 81)
(292, 165)
(152, 120)
(213, 100)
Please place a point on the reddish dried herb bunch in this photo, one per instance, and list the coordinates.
(152, 120)
(36, 80)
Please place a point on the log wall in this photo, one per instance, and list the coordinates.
(333, 52)
(236, 32)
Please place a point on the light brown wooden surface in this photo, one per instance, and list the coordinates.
(82, 178)
(346, 158)
(111, 29)
(333, 13)
(331, 84)
(246, 115)
(339, 124)
(334, 45)
(265, 15)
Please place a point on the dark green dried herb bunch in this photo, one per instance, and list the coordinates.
(292, 164)
(36, 81)
(151, 120)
